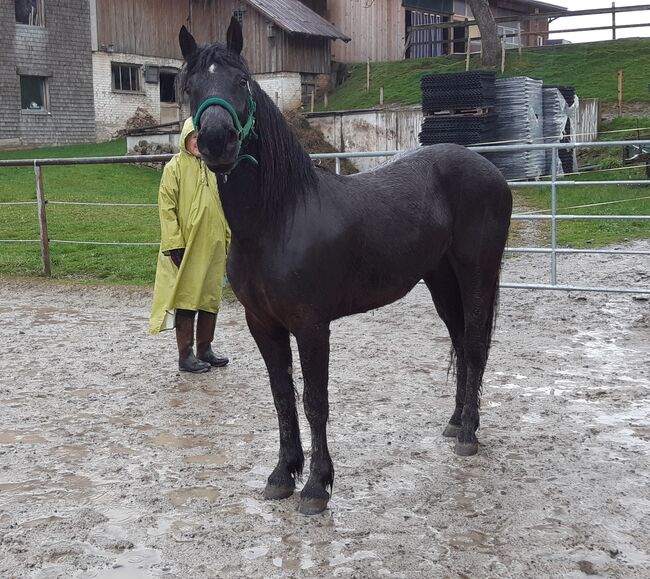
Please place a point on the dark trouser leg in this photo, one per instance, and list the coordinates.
(205, 326)
(187, 362)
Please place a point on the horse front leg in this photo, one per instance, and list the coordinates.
(273, 343)
(313, 346)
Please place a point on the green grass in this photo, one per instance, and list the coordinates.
(596, 233)
(92, 183)
(136, 184)
(591, 68)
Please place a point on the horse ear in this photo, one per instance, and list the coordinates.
(234, 36)
(187, 42)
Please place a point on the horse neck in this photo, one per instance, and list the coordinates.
(261, 199)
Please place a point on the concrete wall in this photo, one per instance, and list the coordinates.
(113, 108)
(374, 130)
(60, 52)
(284, 88)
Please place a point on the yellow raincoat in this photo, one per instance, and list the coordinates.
(191, 217)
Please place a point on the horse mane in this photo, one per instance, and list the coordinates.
(286, 171)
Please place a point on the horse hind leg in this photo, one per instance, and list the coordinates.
(274, 345)
(479, 289)
(443, 285)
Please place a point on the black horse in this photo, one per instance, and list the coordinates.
(310, 246)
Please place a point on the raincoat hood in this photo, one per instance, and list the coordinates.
(188, 129)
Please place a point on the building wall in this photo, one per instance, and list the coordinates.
(150, 28)
(59, 51)
(113, 108)
(285, 89)
(377, 30)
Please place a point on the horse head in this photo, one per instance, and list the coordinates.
(218, 84)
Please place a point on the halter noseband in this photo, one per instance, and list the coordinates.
(242, 131)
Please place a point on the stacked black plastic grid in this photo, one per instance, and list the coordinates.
(458, 91)
(460, 129)
(459, 108)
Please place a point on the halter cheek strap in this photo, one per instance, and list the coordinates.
(243, 131)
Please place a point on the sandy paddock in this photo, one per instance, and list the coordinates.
(114, 465)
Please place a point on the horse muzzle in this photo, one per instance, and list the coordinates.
(218, 140)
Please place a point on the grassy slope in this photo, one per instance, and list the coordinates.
(96, 183)
(591, 68)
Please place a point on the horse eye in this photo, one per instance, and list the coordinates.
(243, 82)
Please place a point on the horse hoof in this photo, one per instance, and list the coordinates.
(312, 506)
(451, 430)
(276, 493)
(466, 448)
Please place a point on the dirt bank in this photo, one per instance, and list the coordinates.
(113, 465)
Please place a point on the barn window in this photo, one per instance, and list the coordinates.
(33, 94)
(31, 12)
(239, 15)
(126, 77)
(167, 86)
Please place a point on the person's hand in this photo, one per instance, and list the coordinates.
(176, 256)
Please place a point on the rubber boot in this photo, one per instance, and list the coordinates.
(204, 335)
(187, 361)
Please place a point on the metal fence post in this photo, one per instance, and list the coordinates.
(42, 220)
(554, 217)
(338, 165)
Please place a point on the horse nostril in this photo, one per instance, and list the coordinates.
(233, 134)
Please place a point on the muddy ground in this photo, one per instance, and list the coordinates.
(113, 465)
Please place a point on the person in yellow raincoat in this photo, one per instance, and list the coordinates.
(194, 239)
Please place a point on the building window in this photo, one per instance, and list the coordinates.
(510, 34)
(33, 94)
(126, 77)
(239, 15)
(31, 12)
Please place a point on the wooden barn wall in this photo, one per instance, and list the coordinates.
(377, 30)
(150, 28)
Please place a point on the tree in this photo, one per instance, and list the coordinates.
(489, 35)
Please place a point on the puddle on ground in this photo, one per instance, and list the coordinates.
(206, 459)
(13, 437)
(134, 564)
(70, 453)
(170, 440)
(181, 496)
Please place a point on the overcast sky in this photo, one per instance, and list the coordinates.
(600, 20)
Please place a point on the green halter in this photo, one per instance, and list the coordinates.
(243, 132)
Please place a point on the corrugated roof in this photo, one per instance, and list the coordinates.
(296, 18)
(545, 5)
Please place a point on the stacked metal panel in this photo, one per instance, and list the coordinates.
(555, 123)
(568, 157)
(520, 120)
(459, 108)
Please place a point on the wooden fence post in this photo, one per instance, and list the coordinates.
(503, 54)
(469, 50)
(381, 95)
(620, 92)
(313, 99)
(368, 75)
(42, 221)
